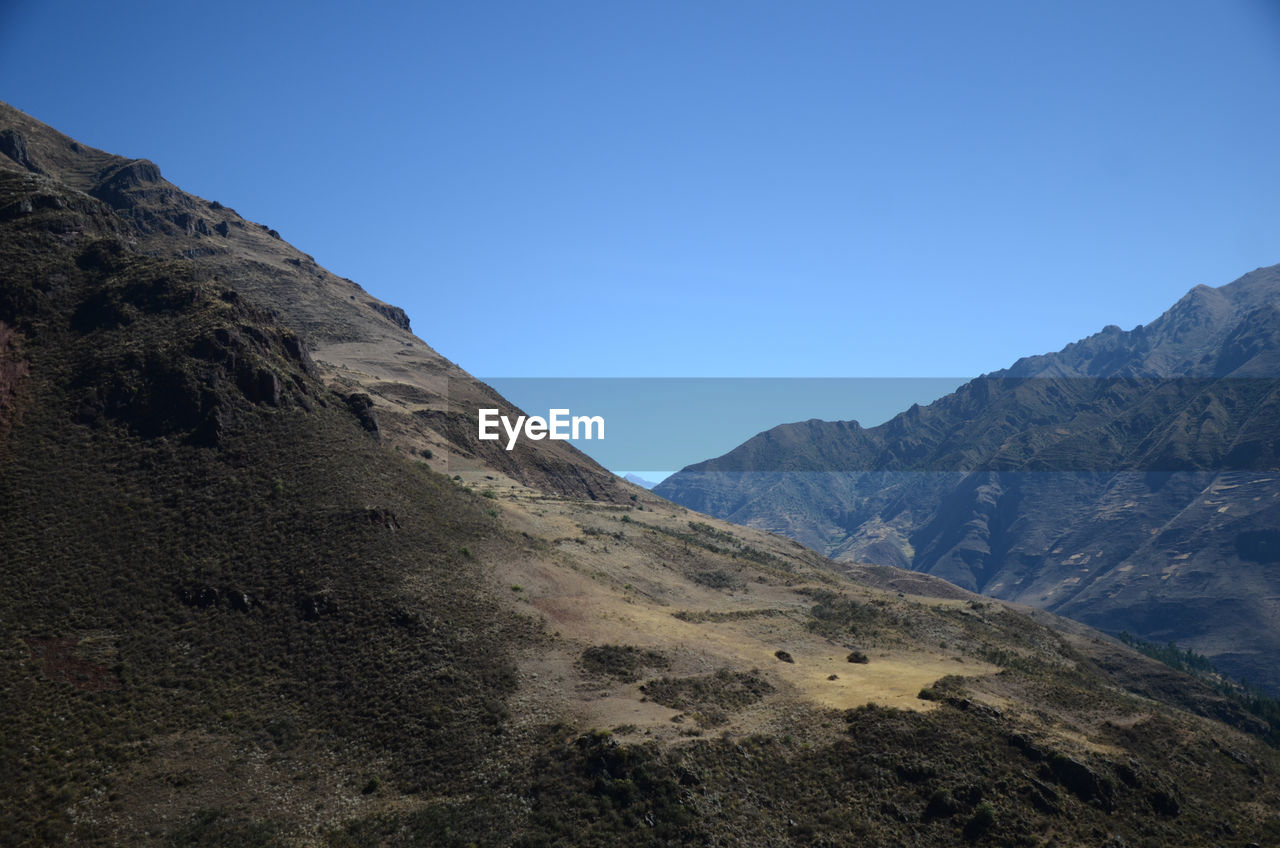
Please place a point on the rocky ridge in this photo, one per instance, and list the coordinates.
(1128, 481)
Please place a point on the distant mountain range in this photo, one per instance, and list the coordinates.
(639, 481)
(1127, 481)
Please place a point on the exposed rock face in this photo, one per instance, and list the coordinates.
(260, 385)
(1127, 481)
(119, 185)
(231, 367)
(1080, 780)
(394, 314)
(14, 145)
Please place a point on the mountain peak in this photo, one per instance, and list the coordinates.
(1072, 480)
(1183, 342)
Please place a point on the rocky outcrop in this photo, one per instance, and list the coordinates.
(1081, 780)
(120, 186)
(242, 360)
(191, 225)
(394, 314)
(14, 145)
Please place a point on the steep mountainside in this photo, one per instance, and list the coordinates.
(238, 610)
(1126, 481)
(419, 400)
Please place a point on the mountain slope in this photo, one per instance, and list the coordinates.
(238, 614)
(420, 400)
(1126, 481)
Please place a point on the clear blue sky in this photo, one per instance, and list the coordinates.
(699, 188)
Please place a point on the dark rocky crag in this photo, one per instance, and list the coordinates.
(1128, 481)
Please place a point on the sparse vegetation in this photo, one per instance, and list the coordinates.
(836, 616)
(621, 662)
(707, 698)
(731, 615)
(717, 579)
(717, 542)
